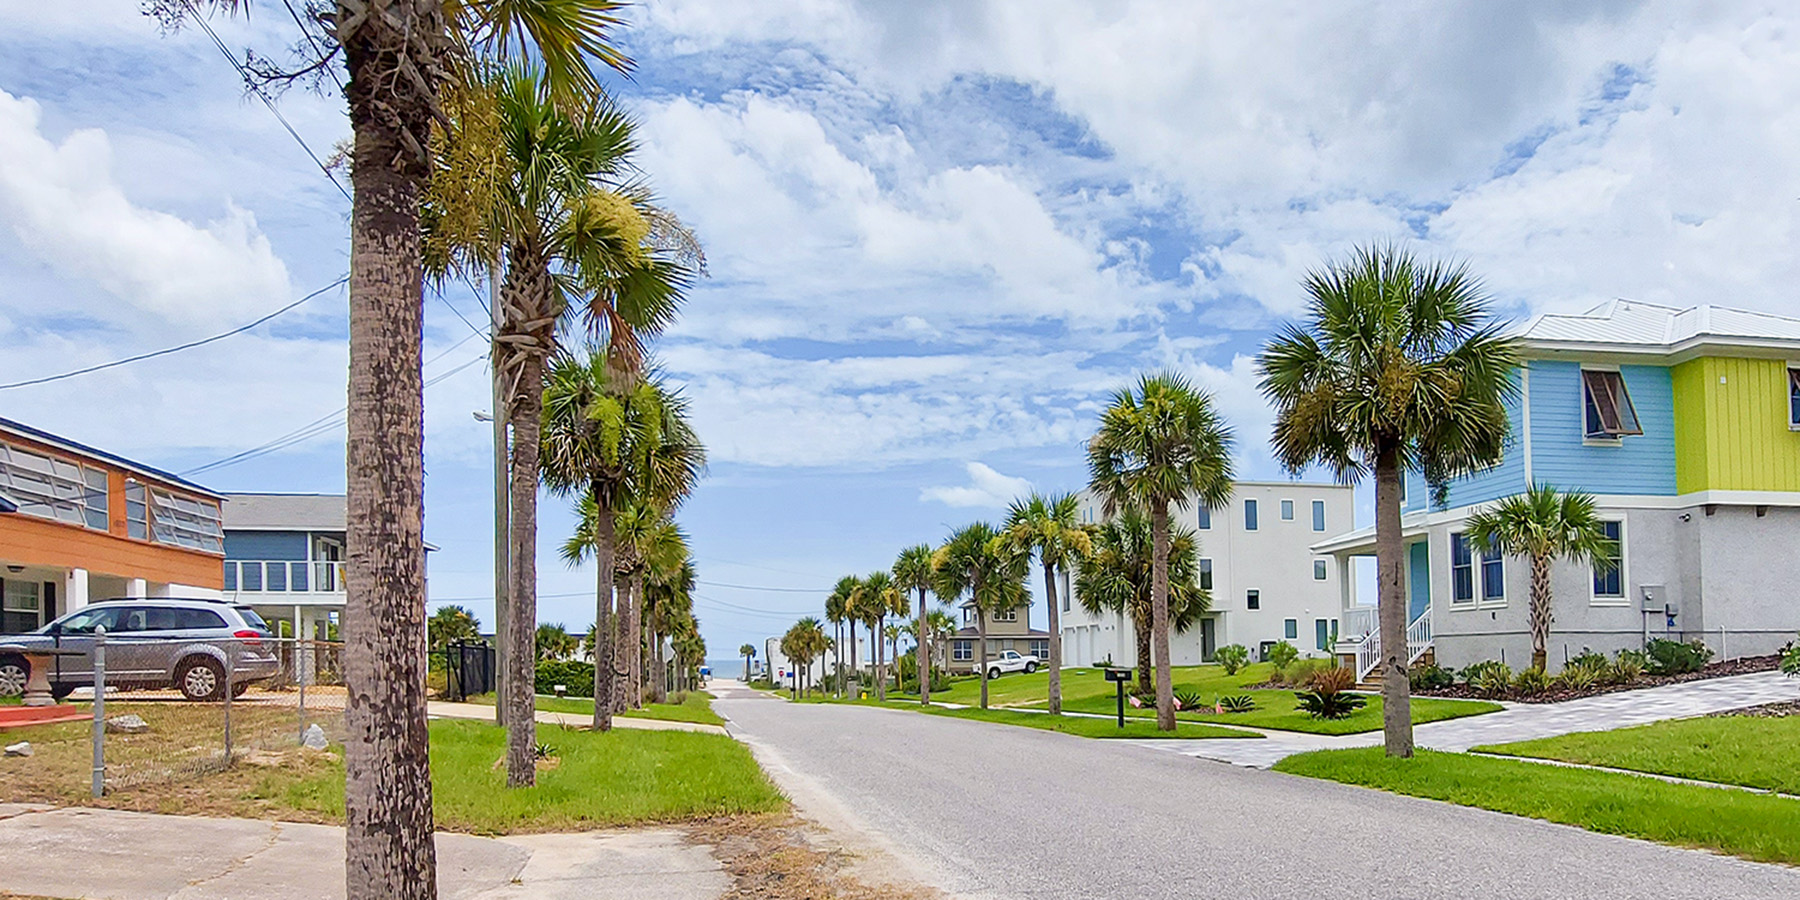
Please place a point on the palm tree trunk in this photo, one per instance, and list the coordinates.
(637, 639)
(605, 557)
(1140, 627)
(1159, 614)
(1055, 661)
(1390, 552)
(853, 652)
(623, 649)
(880, 670)
(388, 847)
(923, 653)
(1540, 611)
(981, 638)
(837, 653)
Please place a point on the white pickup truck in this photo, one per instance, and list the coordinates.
(1011, 661)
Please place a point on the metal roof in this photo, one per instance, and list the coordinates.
(1649, 326)
(63, 443)
(284, 512)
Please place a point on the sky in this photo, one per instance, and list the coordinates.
(939, 235)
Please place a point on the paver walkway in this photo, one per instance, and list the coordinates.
(109, 854)
(447, 710)
(1521, 721)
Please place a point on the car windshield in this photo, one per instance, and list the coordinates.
(251, 618)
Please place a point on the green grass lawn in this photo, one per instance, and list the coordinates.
(1087, 690)
(1748, 750)
(697, 708)
(1082, 726)
(1754, 826)
(618, 778)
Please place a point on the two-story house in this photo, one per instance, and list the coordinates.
(1256, 562)
(1685, 426)
(79, 523)
(1009, 630)
(284, 556)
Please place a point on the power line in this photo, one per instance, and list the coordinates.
(177, 349)
(758, 587)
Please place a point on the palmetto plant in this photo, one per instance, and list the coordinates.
(1118, 576)
(804, 642)
(1047, 526)
(398, 55)
(1398, 366)
(975, 564)
(1543, 525)
(748, 652)
(668, 595)
(876, 597)
(555, 642)
(844, 593)
(451, 623)
(912, 572)
(1161, 444)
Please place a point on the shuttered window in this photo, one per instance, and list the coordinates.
(1608, 412)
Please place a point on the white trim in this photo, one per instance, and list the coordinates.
(1474, 601)
(1525, 414)
(1624, 598)
(1482, 601)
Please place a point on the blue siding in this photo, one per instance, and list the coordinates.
(265, 545)
(1418, 557)
(1641, 464)
(1418, 492)
(1505, 479)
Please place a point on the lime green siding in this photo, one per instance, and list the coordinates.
(1731, 426)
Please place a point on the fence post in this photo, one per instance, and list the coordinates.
(99, 776)
(230, 668)
(299, 647)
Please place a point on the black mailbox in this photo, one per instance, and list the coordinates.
(1118, 674)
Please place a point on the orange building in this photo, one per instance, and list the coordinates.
(78, 523)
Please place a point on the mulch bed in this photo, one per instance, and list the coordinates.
(1766, 711)
(1741, 666)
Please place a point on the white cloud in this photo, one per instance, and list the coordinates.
(63, 204)
(986, 488)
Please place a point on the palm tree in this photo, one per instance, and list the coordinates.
(876, 599)
(802, 644)
(1543, 525)
(389, 850)
(975, 563)
(748, 652)
(837, 609)
(912, 572)
(940, 623)
(668, 594)
(1161, 444)
(846, 590)
(613, 440)
(648, 541)
(1118, 575)
(1399, 366)
(553, 641)
(451, 623)
(1046, 526)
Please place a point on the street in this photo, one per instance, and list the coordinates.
(994, 811)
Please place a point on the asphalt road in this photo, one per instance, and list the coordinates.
(994, 811)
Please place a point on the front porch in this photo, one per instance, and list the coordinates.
(1359, 636)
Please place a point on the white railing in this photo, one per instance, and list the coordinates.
(1418, 640)
(1358, 622)
(281, 576)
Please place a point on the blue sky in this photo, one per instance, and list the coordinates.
(939, 234)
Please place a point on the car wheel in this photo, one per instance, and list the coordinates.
(13, 673)
(237, 690)
(1030, 668)
(200, 678)
(993, 674)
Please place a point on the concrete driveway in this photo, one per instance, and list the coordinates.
(994, 811)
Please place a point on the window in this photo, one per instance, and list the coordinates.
(1290, 629)
(1493, 578)
(166, 619)
(1322, 634)
(137, 512)
(1253, 599)
(52, 488)
(1206, 581)
(1006, 615)
(1318, 515)
(1319, 570)
(1462, 570)
(186, 522)
(962, 651)
(1287, 510)
(1040, 648)
(1249, 515)
(1609, 579)
(87, 620)
(1794, 397)
(1606, 406)
(20, 611)
(1206, 516)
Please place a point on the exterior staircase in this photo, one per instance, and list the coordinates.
(1361, 647)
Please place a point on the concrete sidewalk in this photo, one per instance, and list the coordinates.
(113, 855)
(446, 710)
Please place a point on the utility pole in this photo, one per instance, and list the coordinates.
(502, 504)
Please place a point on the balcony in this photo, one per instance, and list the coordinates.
(280, 576)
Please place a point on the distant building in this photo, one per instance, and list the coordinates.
(1010, 630)
(79, 524)
(1256, 561)
(1685, 426)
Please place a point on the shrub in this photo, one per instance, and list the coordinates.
(1282, 655)
(1491, 677)
(1190, 699)
(678, 698)
(573, 674)
(1301, 672)
(1237, 703)
(1328, 698)
(1590, 661)
(1473, 673)
(1431, 677)
(1106, 663)
(1676, 658)
(1790, 659)
(1576, 678)
(1629, 666)
(1233, 657)
(1531, 682)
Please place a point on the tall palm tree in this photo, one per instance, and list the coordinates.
(802, 644)
(876, 599)
(1161, 444)
(1118, 575)
(648, 541)
(1047, 526)
(1398, 366)
(846, 590)
(451, 623)
(1543, 525)
(940, 623)
(912, 572)
(975, 563)
(667, 589)
(837, 609)
(389, 850)
(748, 652)
(613, 440)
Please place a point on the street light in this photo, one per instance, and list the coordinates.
(482, 416)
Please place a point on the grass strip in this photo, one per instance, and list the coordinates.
(1752, 751)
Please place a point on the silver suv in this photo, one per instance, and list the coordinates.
(152, 644)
